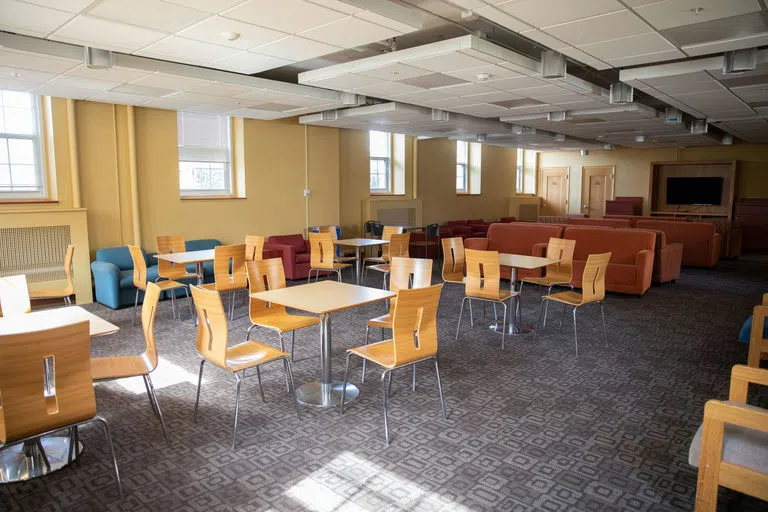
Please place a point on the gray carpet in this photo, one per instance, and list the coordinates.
(530, 428)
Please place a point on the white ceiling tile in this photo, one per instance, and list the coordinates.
(750, 41)
(113, 74)
(30, 19)
(166, 81)
(482, 110)
(205, 99)
(502, 18)
(647, 58)
(490, 97)
(496, 72)
(339, 5)
(141, 90)
(25, 75)
(290, 16)
(120, 98)
(542, 13)
(387, 89)
(513, 84)
(629, 46)
(545, 39)
(34, 61)
(468, 4)
(154, 14)
(453, 61)
(82, 83)
(211, 30)
(584, 57)
(394, 72)
(106, 34)
(212, 6)
(62, 91)
(465, 89)
(296, 48)
(349, 32)
(248, 63)
(63, 5)
(599, 28)
(675, 13)
(347, 82)
(223, 89)
(9, 83)
(180, 49)
(378, 19)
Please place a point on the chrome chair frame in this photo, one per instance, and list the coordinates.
(282, 347)
(318, 270)
(549, 291)
(174, 308)
(494, 302)
(562, 315)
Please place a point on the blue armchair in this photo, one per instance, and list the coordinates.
(113, 273)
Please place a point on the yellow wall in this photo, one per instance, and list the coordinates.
(633, 168)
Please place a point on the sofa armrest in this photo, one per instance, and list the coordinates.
(480, 244)
(287, 253)
(106, 280)
(644, 264)
(539, 250)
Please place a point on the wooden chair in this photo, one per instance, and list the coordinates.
(14, 296)
(483, 283)
(557, 274)
(229, 272)
(336, 257)
(386, 234)
(758, 344)
(592, 291)
(322, 256)
(269, 275)
(405, 273)
(453, 260)
(165, 269)
(254, 247)
(41, 397)
(398, 247)
(62, 293)
(140, 282)
(121, 367)
(414, 339)
(731, 446)
(212, 340)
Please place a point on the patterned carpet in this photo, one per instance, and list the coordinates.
(530, 428)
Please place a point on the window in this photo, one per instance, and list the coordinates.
(21, 167)
(519, 171)
(462, 166)
(205, 155)
(380, 149)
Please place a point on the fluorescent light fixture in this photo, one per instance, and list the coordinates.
(440, 115)
(673, 116)
(639, 138)
(607, 146)
(621, 93)
(96, 58)
(556, 116)
(727, 139)
(699, 126)
(553, 64)
(584, 152)
(559, 137)
(739, 61)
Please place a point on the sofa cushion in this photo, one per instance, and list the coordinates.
(520, 237)
(608, 223)
(303, 257)
(201, 245)
(296, 241)
(624, 244)
(119, 256)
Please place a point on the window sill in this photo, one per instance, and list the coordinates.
(206, 198)
(385, 194)
(468, 194)
(28, 201)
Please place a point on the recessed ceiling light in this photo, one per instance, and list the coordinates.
(483, 77)
(15, 74)
(696, 11)
(230, 36)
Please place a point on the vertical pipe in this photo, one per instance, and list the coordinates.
(306, 177)
(74, 167)
(132, 170)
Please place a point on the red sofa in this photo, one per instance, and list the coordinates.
(604, 222)
(633, 219)
(507, 219)
(464, 228)
(631, 267)
(295, 253)
(701, 243)
(667, 258)
(528, 238)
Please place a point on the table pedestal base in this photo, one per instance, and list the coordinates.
(316, 394)
(512, 329)
(23, 461)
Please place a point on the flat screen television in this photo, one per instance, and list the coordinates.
(695, 191)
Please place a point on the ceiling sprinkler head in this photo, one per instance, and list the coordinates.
(483, 77)
(230, 36)
(15, 74)
(696, 11)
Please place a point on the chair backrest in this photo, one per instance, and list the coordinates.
(593, 278)
(368, 228)
(561, 249)
(378, 229)
(212, 330)
(483, 274)
(148, 311)
(139, 267)
(758, 343)
(45, 380)
(386, 234)
(70, 289)
(229, 267)
(168, 244)
(431, 230)
(453, 258)
(328, 229)
(398, 246)
(405, 273)
(264, 275)
(14, 295)
(321, 250)
(414, 324)
(254, 247)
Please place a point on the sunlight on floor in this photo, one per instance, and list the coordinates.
(350, 482)
(166, 374)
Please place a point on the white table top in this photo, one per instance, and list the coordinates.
(56, 317)
(183, 258)
(523, 261)
(324, 296)
(360, 242)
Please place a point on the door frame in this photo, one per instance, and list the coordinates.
(567, 184)
(608, 197)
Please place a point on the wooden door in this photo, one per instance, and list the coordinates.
(597, 186)
(553, 189)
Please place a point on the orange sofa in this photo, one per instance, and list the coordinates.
(604, 222)
(667, 259)
(631, 267)
(634, 219)
(526, 238)
(701, 243)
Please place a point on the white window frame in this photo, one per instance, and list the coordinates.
(387, 162)
(37, 143)
(228, 190)
(464, 165)
(520, 163)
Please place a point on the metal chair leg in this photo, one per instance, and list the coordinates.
(237, 409)
(503, 324)
(135, 306)
(173, 305)
(293, 342)
(440, 387)
(338, 275)
(289, 373)
(199, 382)
(461, 311)
(538, 320)
(189, 303)
(413, 386)
(309, 276)
(42, 453)
(149, 395)
(546, 310)
(605, 331)
(384, 396)
(156, 405)
(362, 378)
(575, 334)
(111, 452)
(261, 389)
(248, 332)
(282, 348)
(562, 315)
(389, 384)
(471, 316)
(344, 386)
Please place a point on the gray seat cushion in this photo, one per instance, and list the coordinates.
(742, 446)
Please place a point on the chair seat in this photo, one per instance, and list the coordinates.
(336, 266)
(741, 445)
(49, 294)
(169, 285)
(104, 368)
(186, 275)
(374, 259)
(283, 322)
(545, 281)
(503, 295)
(381, 353)
(212, 286)
(572, 298)
(383, 321)
(380, 268)
(344, 259)
(251, 353)
(454, 278)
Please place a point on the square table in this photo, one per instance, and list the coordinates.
(23, 461)
(358, 244)
(188, 257)
(323, 298)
